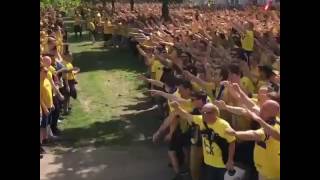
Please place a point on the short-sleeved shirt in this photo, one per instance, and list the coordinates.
(212, 153)
(267, 154)
(157, 68)
(46, 92)
(248, 41)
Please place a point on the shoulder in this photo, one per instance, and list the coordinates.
(197, 119)
(222, 123)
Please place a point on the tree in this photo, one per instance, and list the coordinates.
(165, 10)
(131, 5)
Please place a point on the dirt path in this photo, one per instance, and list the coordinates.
(107, 137)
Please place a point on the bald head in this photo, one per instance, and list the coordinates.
(269, 109)
(210, 112)
(46, 61)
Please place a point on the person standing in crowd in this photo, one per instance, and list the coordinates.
(218, 146)
(92, 30)
(77, 26)
(267, 138)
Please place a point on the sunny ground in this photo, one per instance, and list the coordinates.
(108, 134)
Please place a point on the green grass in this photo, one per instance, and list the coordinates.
(109, 96)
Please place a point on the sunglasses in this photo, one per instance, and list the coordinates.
(206, 113)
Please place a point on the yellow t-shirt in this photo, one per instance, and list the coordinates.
(267, 159)
(52, 71)
(46, 92)
(108, 28)
(195, 86)
(69, 75)
(188, 107)
(208, 88)
(91, 26)
(248, 85)
(59, 42)
(212, 154)
(248, 41)
(261, 83)
(157, 69)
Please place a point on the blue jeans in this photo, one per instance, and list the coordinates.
(213, 173)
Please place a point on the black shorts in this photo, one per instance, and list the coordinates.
(73, 90)
(245, 55)
(107, 37)
(94, 32)
(179, 140)
(77, 28)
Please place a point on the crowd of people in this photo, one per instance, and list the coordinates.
(213, 73)
(57, 76)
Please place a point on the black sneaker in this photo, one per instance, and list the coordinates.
(56, 132)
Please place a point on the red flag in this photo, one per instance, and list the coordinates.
(266, 7)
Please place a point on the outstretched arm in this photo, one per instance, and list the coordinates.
(168, 96)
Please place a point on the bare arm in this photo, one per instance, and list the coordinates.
(233, 109)
(152, 81)
(232, 149)
(194, 78)
(168, 96)
(184, 115)
(267, 128)
(250, 135)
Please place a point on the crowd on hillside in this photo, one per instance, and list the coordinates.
(214, 74)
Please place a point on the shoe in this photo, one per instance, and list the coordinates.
(53, 138)
(56, 132)
(65, 113)
(42, 151)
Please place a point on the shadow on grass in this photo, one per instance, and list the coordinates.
(111, 59)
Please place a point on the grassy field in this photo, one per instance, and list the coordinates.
(110, 98)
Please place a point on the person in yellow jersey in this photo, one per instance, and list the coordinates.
(267, 147)
(247, 40)
(46, 101)
(57, 95)
(92, 30)
(199, 99)
(77, 26)
(69, 80)
(218, 146)
(179, 130)
(107, 30)
(156, 69)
